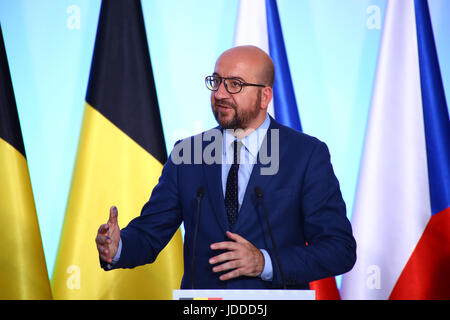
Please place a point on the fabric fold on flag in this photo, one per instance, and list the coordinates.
(120, 157)
(23, 271)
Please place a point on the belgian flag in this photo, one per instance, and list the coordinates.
(23, 272)
(120, 157)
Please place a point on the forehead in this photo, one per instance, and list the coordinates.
(238, 66)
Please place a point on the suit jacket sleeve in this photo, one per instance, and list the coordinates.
(330, 249)
(145, 236)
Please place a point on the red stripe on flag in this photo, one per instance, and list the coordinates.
(326, 289)
(427, 273)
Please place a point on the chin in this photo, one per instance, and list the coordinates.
(226, 122)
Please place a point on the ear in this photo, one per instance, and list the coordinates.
(266, 97)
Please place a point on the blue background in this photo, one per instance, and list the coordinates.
(332, 48)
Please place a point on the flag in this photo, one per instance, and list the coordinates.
(120, 157)
(259, 24)
(23, 272)
(251, 29)
(285, 104)
(401, 215)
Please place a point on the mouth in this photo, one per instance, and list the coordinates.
(223, 105)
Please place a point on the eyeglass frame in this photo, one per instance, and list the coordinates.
(222, 79)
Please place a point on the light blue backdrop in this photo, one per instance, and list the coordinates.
(332, 48)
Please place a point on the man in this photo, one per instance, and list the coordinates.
(243, 209)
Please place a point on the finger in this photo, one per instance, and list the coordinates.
(230, 255)
(105, 258)
(103, 229)
(232, 274)
(224, 245)
(227, 266)
(102, 240)
(113, 213)
(236, 237)
(102, 249)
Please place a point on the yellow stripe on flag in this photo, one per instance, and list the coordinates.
(23, 272)
(111, 169)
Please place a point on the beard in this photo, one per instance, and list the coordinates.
(241, 116)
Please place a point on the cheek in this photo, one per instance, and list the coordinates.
(243, 103)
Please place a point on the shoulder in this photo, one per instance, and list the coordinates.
(207, 135)
(294, 139)
(202, 148)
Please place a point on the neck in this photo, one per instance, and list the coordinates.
(241, 133)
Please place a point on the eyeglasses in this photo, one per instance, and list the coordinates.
(232, 85)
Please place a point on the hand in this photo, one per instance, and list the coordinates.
(243, 257)
(108, 236)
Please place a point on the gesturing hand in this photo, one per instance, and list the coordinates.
(108, 236)
(243, 258)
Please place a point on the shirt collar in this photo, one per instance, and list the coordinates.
(252, 142)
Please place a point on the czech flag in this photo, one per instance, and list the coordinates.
(401, 217)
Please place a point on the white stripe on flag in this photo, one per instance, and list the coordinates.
(251, 29)
(392, 205)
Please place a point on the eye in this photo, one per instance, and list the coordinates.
(235, 84)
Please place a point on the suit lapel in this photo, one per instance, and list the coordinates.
(213, 174)
(256, 179)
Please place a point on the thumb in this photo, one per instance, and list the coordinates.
(113, 213)
(236, 237)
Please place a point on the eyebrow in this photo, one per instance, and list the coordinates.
(232, 77)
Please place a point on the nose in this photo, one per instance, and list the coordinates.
(221, 92)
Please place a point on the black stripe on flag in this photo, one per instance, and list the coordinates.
(121, 84)
(9, 118)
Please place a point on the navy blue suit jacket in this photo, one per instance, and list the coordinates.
(303, 201)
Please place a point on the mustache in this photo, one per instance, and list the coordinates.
(224, 103)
